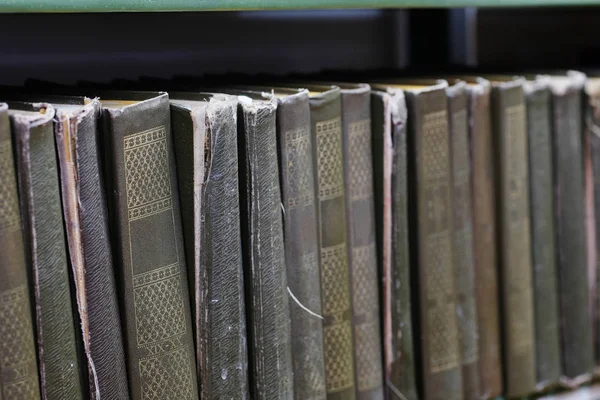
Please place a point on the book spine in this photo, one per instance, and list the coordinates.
(510, 132)
(484, 240)
(431, 185)
(388, 116)
(301, 246)
(149, 243)
(45, 236)
(270, 334)
(18, 370)
(592, 120)
(463, 239)
(569, 184)
(84, 208)
(547, 335)
(326, 131)
(362, 250)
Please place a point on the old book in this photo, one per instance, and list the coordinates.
(388, 119)
(431, 230)
(545, 285)
(575, 313)
(484, 237)
(301, 242)
(362, 248)
(18, 366)
(144, 206)
(463, 238)
(328, 167)
(263, 251)
(39, 194)
(514, 240)
(205, 140)
(592, 134)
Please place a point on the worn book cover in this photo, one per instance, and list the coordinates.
(431, 230)
(46, 252)
(148, 240)
(270, 351)
(569, 190)
(543, 250)
(18, 366)
(328, 167)
(362, 247)
(514, 240)
(464, 265)
(205, 141)
(388, 121)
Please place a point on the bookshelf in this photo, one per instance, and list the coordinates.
(37, 6)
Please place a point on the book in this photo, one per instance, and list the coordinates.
(545, 285)
(18, 366)
(389, 122)
(431, 238)
(458, 120)
(575, 314)
(482, 153)
(592, 134)
(46, 253)
(514, 239)
(297, 179)
(205, 142)
(90, 253)
(362, 247)
(148, 242)
(263, 250)
(328, 168)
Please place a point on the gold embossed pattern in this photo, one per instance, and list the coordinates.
(338, 353)
(361, 179)
(167, 377)
(336, 298)
(368, 354)
(299, 163)
(17, 347)
(363, 279)
(442, 332)
(9, 206)
(329, 146)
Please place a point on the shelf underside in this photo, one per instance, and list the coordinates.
(33, 6)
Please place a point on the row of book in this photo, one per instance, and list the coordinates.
(403, 239)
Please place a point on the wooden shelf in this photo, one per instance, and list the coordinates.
(80, 6)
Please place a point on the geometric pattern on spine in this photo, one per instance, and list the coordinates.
(17, 346)
(147, 173)
(368, 355)
(9, 206)
(335, 279)
(364, 279)
(167, 376)
(338, 357)
(299, 165)
(330, 165)
(468, 326)
(361, 179)
(435, 145)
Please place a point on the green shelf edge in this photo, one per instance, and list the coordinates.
(77, 6)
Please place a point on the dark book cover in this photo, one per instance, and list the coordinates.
(46, 251)
(569, 203)
(543, 250)
(431, 238)
(388, 119)
(464, 264)
(205, 141)
(514, 240)
(328, 167)
(148, 242)
(263, 251)
(18, 369)
(362, 247)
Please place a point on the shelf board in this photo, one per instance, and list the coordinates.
(43, 6)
